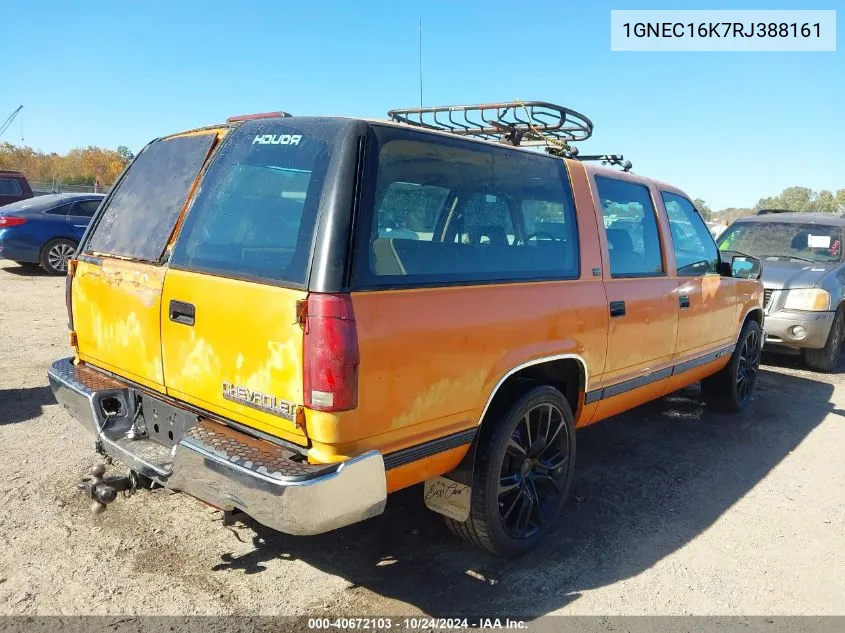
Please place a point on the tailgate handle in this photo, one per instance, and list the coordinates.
(181, 312)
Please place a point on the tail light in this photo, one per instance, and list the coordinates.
(330, 355)
(10, 220)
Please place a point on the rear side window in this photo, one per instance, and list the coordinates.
(255, 213)
(140, 215)
(467, 213)
(85, 209)
(631, 228)
(60, 210)
(10, 187)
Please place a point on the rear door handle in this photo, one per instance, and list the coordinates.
(181, 312)
(684, 301)
(617, 308)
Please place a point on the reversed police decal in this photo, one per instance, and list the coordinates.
(277, 139)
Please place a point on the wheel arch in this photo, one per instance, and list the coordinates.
(54, 238)
(566, 372)
(755, 314)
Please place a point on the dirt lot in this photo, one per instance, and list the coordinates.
(675, 510)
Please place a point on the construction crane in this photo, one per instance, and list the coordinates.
(8, 121)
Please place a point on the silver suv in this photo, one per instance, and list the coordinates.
(804, 279)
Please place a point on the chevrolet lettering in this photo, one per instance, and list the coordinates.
(258, 400)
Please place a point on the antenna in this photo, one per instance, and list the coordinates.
(421, 76)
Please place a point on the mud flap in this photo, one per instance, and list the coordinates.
(447, 497)
(451, 494)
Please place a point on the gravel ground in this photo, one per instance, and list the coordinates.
(675, 510)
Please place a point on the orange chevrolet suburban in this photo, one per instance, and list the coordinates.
(293, 317)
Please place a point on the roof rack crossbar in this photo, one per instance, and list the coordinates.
(607, 159)
(512, 122)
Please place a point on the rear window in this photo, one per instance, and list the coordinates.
(255, 213)
(140, 215)
(453, 211)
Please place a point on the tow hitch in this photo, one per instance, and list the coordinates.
(103, 490)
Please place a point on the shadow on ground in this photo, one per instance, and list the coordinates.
(27, 270)
(647, 482)
(20, 405)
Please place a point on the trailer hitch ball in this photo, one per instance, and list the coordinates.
(103, 490)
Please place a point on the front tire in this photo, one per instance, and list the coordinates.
(731, 387)
(56, 254)
(523, 470)
(827, 358)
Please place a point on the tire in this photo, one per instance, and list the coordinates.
(56, 254)
(827, 358)
(731, 387)
(511, 518)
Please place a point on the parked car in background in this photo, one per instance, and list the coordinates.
(804, 279)
(13, 187)
(304, 314)
(716, 228)
(46, 229)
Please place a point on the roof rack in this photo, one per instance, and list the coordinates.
(615, 160)
(526, 123)
(768, 211)
(513, 122)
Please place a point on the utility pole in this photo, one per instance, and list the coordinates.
(421, 74)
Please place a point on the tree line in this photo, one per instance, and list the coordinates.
(80, 166)
(791, 199)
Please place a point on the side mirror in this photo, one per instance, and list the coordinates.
(746, 267)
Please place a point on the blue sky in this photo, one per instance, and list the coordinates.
(726, 127)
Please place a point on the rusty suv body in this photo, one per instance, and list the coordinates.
(294, 317)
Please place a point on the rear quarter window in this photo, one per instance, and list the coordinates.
(139, 216)
(450, 211)
(10, 187)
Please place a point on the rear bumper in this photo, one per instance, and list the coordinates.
(16, 249)
(796, 329)
(223, 466)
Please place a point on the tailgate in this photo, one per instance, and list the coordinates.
(241, 354)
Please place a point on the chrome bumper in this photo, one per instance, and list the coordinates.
(781, 328)
(223, 466)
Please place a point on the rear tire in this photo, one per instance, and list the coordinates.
(523, 469)
(827, 358)
(731, 387)
(56, 254)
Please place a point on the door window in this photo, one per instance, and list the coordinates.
(142, 211)
(695, 251)
(631, 227)
(85, 209)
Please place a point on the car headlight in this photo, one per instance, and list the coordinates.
(807, 299)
